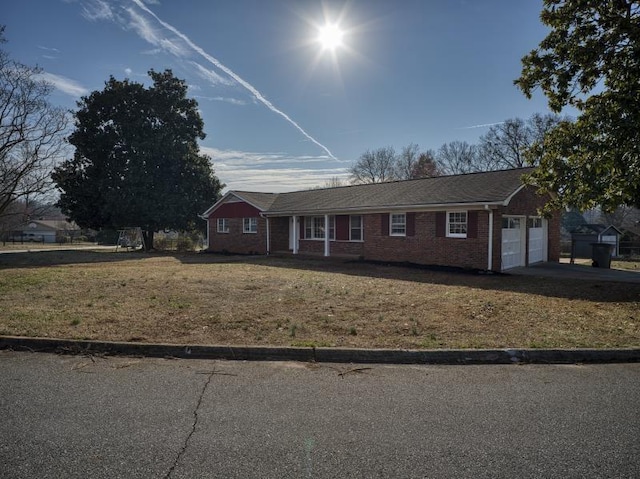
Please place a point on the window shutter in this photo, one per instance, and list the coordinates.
(411, 224)
(472, 224)
(301, 221)
(441, 224)
(342, 228)
(385, 224)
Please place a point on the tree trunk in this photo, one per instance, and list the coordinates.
(147, 236)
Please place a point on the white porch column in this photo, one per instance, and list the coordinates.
(326, 235)
(268, 237)
(296, 233)
(490, 249)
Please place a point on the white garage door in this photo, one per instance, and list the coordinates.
(512, 242)
(536, 240)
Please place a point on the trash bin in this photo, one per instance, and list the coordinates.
(601, 255)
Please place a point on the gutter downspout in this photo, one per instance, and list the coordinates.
(490, 246)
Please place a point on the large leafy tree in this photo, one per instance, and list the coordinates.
(591, 61)
(137, 161)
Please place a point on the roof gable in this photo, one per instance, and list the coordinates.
(260, 201)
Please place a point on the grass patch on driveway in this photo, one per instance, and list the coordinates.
(209, 299)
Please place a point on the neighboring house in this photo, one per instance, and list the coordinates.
(47, 231)
(485, 221)
(585, 235)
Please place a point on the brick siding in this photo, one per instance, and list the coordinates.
(422, 245)
(235, 241)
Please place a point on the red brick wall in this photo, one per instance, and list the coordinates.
(424, 247)
(235, 241)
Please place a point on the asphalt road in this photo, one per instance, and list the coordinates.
(94, 417)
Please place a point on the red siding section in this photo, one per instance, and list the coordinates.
(238, 209)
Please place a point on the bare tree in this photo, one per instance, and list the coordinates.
(333, 182)
(31, 132)
(375, 166)
(458, 157)
(407, 160)
(622, 217)
(426, 166)
(505, 144)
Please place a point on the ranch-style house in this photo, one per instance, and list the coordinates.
(486, 221)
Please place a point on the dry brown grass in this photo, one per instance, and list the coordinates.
(207, 299)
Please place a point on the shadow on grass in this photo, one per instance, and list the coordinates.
(568, 288)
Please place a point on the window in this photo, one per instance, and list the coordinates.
(223, 225)
(250, 225)
(509, 223)
(398, 224)
(457, 224)
(314, 227)
(355, 228)
(535, 222)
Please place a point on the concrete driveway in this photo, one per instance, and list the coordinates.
(577, 271)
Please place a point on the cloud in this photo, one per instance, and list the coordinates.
(49, 49)
(233, 101)
(64, 84)
(226, 70)
(128, 71)
(271, 172)
(144, 29)
(211, 76)
(98, 10)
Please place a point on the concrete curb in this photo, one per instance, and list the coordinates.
(329, 355)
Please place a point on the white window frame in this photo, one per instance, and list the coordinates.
(314, 227)
(352, 228)
(400, 227)
(250, 225)
(222, 225)
(457, 224)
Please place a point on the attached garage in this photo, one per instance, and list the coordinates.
(537, 235)
(513, 242)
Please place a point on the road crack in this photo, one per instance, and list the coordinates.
(185, 445)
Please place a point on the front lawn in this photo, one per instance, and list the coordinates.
(209, 299)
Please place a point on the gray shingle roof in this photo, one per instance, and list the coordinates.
(473, 188)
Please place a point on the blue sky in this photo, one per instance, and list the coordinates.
(280, 112)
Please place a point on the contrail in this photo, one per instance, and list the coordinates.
(233, 75)
(483, 125)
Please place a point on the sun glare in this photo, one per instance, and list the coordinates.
(330, 37)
